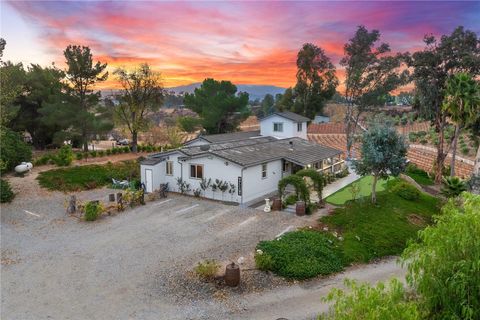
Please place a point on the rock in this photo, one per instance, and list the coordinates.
(241, 260)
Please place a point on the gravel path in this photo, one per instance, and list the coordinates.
(138, 264)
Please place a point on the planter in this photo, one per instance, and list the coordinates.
(277, 204)
(232, 275)
(300, 208)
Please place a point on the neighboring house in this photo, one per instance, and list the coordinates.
(252, 163)
(284, 125)
(321, 119)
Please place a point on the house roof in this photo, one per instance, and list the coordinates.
(224, 137)
(288, 115)
(249, 152)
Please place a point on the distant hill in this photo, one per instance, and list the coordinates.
(255, 91)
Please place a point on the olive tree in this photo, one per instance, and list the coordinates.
(384, 153)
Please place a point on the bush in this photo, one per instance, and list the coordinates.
(126, 149)
(289, 200)
(79, 156)
(13, 150)
(93, 154)
(303, 254)
(465, 150)
(342, 174)
(406, 191)
(64, 156)
(419, 175)
(108, 152)
(114, 150)
(364, 302)
(443, 267)
(43, 160)
(263, 261)
(453, 186)
(207, 269)
(92, 211)
(424, 141)
(6, 193)
(412, 136)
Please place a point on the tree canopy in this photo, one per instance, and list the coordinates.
(142, 94)
(384, 153)
(372, 72)
(219, 106)
(454, 53)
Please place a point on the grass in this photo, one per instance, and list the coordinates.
(88, 177)
(420, 176)
(367, 232)
(374, 231)
(343, 195)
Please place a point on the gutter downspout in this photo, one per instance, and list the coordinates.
(241, 174)
(181, 169)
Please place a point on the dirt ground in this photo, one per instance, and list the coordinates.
(137, 264)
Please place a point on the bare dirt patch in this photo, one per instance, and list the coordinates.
(417, 220)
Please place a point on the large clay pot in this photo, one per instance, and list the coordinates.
(300, 208)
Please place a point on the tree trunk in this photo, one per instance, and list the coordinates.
(374, 190)
(454, 151)
(85, 145)
(134, 141)
(440, 126)
(476, 165)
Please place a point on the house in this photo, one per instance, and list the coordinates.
(321, 119)
(251, 164)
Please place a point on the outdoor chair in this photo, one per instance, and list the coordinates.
(120, 184)
(163, 190)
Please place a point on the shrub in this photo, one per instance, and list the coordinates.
(421, 133)
(93, 154)
(419, 175)
(443, 267)
(114, 150)
(207, 269)
(126, 149)
(197, 192)
(289, 200)
(78, 156)
(6, 193)
(43, 160)
(92, 211)
(108, 152)
(424, 141)
(412, 136)
(101, 153)
(364, 302)
(263, 261)
(149, 148)
(64, 156)
(13, 150)
(342, 174)
(465, 150)
(303, 254)
(406, 191)
(452, 186)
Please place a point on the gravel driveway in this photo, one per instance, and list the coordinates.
(137, 264)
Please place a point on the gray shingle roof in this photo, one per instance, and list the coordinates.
(249, 152)
(296, 150)
(224, 137)
(289, 115)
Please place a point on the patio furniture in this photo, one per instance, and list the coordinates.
(124, 184)
(163, 190)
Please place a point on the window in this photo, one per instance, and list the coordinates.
(196, 171)
(278, 127)
(299, 127)
(169, 168)
(264, 171)
(286, 166)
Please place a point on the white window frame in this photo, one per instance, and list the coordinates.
(169, 165)
(196, 172)
(279, 125)
(264, 171)
(299, 127)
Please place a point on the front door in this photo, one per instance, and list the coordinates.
(148, 180)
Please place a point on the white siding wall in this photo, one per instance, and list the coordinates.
(156, 174)
(254, 186)
(289, 128)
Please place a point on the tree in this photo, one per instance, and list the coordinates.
(458, 52)
(188, 124)
(443, 267)
(12, 82)
(82, 74)
(13, 150)
(43, 86)
(286, 101)
(371, 73)
(219, 106)
(462, 104)
(316, 80)
(383, 153)
(268, 103)
(142, 94)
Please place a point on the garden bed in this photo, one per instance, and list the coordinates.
(88, 176)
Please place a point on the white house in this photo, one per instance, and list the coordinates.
(284, 125)
(250, 163)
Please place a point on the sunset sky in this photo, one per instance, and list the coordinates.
(245, 42)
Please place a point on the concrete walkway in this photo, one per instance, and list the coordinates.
(340, 183)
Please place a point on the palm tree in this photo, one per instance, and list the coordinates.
(462, 101)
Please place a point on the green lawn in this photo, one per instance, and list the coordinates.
(367, 232)
(365, 183)
(88, 177)
(419, 175)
